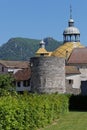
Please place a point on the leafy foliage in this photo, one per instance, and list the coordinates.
(24, 48)
(29, 112)
(6, 84)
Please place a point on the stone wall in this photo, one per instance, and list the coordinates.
(71, 90)
(48, 75)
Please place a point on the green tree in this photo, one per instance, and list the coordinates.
(6, 84)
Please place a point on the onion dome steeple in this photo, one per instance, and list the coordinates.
(71, 33)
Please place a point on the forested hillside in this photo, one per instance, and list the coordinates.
(24, 48)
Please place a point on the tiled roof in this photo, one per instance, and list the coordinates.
(78, 56)
(15, 64)
(42, 51)
(71, 70)
(22, 75)
(66, 49)
(49, 53)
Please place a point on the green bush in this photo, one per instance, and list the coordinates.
(6, 85)
(29, 112)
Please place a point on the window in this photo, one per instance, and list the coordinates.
(70, 81)
(41, 54)
(26, 83)
(29, 82)
(18, 84)
(2, 69)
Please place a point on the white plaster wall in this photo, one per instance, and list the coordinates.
(83, 74)
(76, 80)
(13, 70)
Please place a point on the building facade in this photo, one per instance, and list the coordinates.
(20, 70)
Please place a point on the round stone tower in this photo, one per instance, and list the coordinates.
(47, 75)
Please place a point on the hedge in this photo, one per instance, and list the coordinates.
(29, 112)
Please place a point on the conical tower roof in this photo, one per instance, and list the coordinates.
(42, 51)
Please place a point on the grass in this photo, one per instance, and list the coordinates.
(70, 121)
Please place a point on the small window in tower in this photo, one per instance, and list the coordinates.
(41, 54)
(70, 81)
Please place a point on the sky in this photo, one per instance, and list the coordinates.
(38, 19)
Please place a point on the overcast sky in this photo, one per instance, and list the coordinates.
(38, 19)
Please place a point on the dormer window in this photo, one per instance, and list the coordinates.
(41, 54)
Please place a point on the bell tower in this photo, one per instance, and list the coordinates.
(71, 33)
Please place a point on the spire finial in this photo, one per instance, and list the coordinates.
(70, 12)
(42, 44)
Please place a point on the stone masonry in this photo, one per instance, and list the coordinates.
(47, 75)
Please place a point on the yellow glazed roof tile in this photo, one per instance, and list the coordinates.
(66, 49)
(41, 51)
(50, 53)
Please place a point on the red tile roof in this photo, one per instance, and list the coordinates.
(71, 70)
(22, 75)
(15, 64)
(78, 56)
